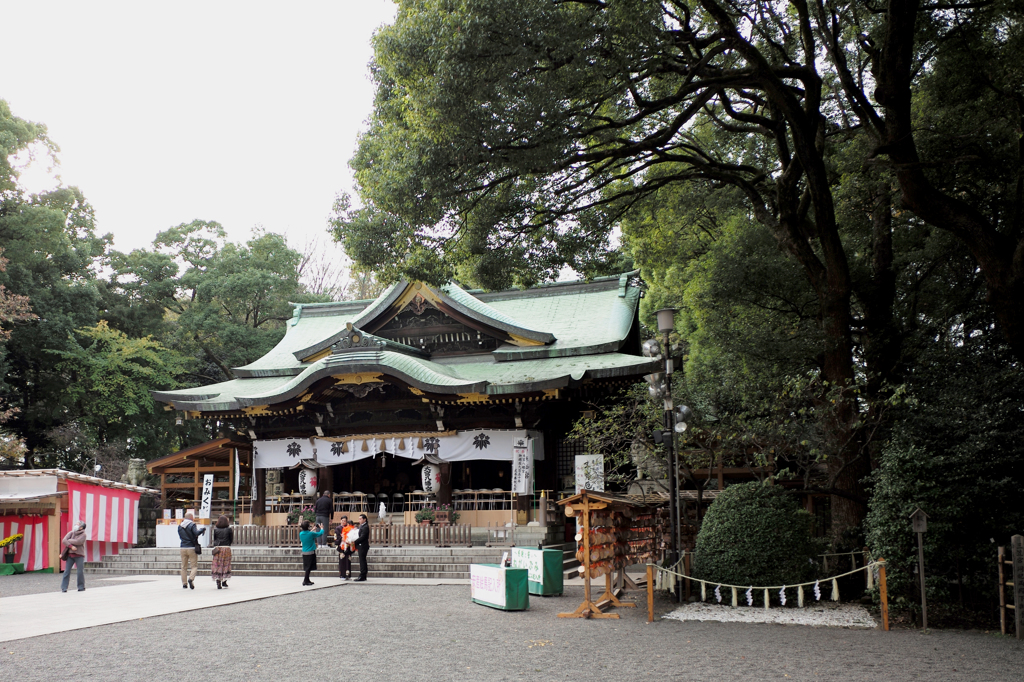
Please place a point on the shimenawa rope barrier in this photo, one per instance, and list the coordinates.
(674, 577)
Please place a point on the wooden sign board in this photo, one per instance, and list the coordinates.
(441, 518)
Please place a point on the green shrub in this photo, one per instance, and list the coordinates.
(755, 534)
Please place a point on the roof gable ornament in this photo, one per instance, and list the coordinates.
(454, 302)
(450, 301)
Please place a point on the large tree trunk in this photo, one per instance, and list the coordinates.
(1000, 258)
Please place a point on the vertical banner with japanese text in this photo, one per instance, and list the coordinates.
(522, 467)
(207, 497)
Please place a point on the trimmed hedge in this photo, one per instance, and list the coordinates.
(755, 534)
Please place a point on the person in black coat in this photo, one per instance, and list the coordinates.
(363, 546)
(323, 508)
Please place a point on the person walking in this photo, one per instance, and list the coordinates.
(223, 538)
(324, 507)
(345, 548)
(363, 547)
(308, 538)
(189, 534)
(75, 542)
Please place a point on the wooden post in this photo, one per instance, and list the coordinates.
(259, 503)
(1001, 560)
(586, 547)
(231, 477)
(163, 491)
(650, 593)
(686, 571)
(920, 570)
(883, 593)
(1017, 550)
(196, 485)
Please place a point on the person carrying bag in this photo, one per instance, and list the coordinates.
(189, 534)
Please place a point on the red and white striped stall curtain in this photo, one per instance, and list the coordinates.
(110, 515)
(32, 550)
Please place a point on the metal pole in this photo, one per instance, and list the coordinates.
(673, 479)
(920, 569)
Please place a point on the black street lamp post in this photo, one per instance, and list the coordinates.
(666, 323)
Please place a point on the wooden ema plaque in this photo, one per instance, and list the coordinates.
(590, 608)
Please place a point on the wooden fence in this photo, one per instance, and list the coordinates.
(400, 535)
(381, 535)
(266, 536)
(1017, 584)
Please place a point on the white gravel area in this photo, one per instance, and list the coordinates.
(828, 615)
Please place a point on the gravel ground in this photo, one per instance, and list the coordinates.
(36, 583)
(387, 632)
(832, 615)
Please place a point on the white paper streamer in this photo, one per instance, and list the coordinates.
(835, 590)
(782, 595)
(817, 591)
(750, 596)
(718, 593)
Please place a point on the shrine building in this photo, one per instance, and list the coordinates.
(426, 393)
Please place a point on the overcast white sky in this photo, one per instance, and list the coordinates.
(241, 112)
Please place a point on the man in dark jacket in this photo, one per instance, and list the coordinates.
(189, 534)
(363, 546)
(323, 508)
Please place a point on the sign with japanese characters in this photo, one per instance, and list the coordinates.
(530, 559)
(487, 584)
(207, 498)
(590, 472)
(522, 466)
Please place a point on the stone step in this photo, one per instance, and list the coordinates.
(173, 567)
(390, 562)
(235, 573)
(241, 558)
(290, 551)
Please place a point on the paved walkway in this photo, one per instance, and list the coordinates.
(117, 600)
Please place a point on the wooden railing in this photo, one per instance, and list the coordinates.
(266, 536)
(398, 535)
(381, 535)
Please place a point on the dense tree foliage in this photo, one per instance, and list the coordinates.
(87, 332)
(805, 181)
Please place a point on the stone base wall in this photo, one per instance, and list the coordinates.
(149, 511)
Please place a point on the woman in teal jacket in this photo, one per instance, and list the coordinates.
(308, 539)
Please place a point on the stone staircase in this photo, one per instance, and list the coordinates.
(383, 562)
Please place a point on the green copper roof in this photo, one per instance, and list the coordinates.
(588, 324)
(486, 378)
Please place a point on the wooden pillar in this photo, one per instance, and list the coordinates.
(53, 538)
(259, 505)
(196, 485)
(231, 473)
(163, 491)
(1017, 556)
(325, 479)
(444, 488)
